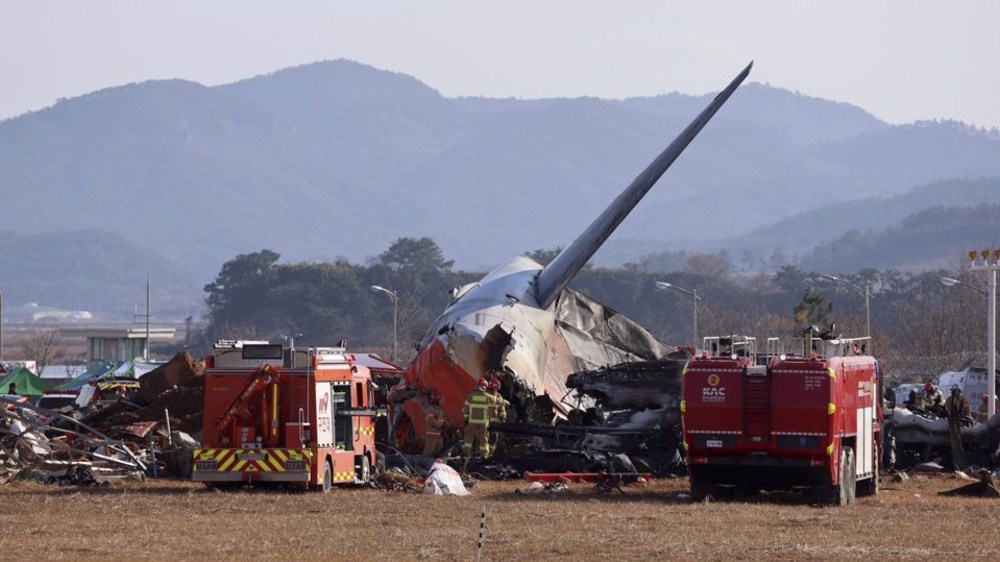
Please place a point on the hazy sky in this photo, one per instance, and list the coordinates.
(901, 60)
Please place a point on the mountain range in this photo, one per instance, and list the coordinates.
(338, 159)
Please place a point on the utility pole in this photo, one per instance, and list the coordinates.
(1, 327)
(136, 316)
(145, 352)
(990, 263)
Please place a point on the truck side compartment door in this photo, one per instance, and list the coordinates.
(324, 414)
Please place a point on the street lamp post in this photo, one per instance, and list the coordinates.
(866, 292)
(693, 293)
(952, 282)
(1, 328)
(290, 338)
(395, 316)
(989, 262)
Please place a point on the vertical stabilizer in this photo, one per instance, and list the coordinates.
(558, 274)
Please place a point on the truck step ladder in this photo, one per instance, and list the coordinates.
(757, 405)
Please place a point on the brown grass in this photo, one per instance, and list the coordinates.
(170, 520)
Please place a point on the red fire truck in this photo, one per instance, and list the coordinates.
(304, 417)
(774, 421)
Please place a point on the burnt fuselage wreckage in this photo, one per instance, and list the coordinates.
(524, 325)
(626, 418)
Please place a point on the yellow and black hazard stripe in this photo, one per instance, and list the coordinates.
(343, 476)
(365, 431)
(252, 460)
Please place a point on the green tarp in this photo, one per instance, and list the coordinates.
(28, 383)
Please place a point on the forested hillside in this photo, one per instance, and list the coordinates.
(92, 270)
(338, 159)
(819, 234)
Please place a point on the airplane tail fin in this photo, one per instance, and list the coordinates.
(558, 274)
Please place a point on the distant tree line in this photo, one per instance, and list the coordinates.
(320, 303)
(256, 296)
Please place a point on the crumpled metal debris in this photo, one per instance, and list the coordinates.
(550, 488)
(625, 418)
(147, 431)
(30, 443)
(394, 479)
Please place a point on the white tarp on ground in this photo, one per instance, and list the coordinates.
(444, 481)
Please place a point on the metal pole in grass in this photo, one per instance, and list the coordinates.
(482, 528)
(152, 455)
(166, 416)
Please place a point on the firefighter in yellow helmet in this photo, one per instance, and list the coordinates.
(498, 409)
(477, 420)
(500, 405)
(932, 402)
(433, 424)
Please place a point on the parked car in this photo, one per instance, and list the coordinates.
(56, 400)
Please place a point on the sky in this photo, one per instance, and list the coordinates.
(900, 60)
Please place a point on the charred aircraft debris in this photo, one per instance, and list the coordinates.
(522, 324)
(918, 437)
(626, 418)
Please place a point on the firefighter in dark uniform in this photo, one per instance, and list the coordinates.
(957, 408)
(433, 425)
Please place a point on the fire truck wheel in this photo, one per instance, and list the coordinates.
(327, 477)
(364, 470)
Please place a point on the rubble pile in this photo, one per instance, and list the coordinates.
(183, 404)
(176, 387)
(33, 447)
(128, 438)
(626, 419)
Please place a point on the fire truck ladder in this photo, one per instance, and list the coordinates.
(757, 405)
(261, 379)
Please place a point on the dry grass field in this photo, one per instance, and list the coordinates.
(171, 520)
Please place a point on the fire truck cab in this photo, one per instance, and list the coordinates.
(304, 417)
(774, 421)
